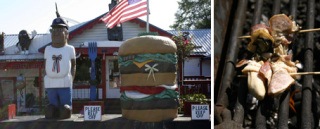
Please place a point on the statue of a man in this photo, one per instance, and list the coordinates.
(60, 67)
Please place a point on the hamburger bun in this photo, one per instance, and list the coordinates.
(147, 44)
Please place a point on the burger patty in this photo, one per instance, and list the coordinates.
(150, 104)
(143, 89)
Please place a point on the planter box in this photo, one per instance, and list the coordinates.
(187, 107)
(8, 112)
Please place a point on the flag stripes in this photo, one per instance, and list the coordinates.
(124, 12)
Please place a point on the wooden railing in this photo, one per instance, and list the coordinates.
(196, 84)
(83, 92)
(81, 98)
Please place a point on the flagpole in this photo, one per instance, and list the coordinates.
(148, 16)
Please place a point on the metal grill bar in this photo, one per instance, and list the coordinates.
(257, 12)
(284, 110)
(243, 91)
(260, 121)
(276, 7)
(232, 51)
(307, 120)
(293, 8)
(285, 97)
(266, 103)
(305, 115)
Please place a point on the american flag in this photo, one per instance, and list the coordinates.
(125, 11)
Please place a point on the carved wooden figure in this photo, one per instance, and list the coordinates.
(25, 41)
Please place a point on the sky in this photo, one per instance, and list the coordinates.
(38, 15)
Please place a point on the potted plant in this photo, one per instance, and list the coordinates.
(189, 99)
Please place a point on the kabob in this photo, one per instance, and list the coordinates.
(271, 69)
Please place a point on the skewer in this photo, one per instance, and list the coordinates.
(301, 31)
(292, 74)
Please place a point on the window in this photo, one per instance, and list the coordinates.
(83, 71)
(114, 74)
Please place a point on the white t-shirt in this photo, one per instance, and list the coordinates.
(58, 66)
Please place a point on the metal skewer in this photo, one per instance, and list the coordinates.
(292, 74)
(301, 31)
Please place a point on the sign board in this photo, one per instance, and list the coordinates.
(92, 113)
(200, 112)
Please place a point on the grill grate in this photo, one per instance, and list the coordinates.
(272, 112)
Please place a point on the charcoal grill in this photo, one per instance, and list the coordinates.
(232, 19)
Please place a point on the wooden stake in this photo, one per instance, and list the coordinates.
(292, 74)
(301, 31)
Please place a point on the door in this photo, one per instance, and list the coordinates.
(113, 77)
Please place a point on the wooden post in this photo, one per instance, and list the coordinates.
(40, 86)
(103, 79)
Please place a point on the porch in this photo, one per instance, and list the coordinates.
(196, 84)
(110, 121)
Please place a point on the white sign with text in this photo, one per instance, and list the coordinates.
(200, 112)
(92, 113)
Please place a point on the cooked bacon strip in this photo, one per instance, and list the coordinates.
(282, 23)
(282, 29)
(266, 71)
(281, 79)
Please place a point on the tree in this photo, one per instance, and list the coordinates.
(184, 45)
(193, 14)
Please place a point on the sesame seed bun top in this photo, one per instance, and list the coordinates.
(147, 44)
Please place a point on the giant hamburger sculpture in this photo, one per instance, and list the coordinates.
(148, 79)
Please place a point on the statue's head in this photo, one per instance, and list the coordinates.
(24, 37)
(59, 32)
(59, 22)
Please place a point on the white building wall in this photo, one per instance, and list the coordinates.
(99, 33)
(96, 33)
(131, 30)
